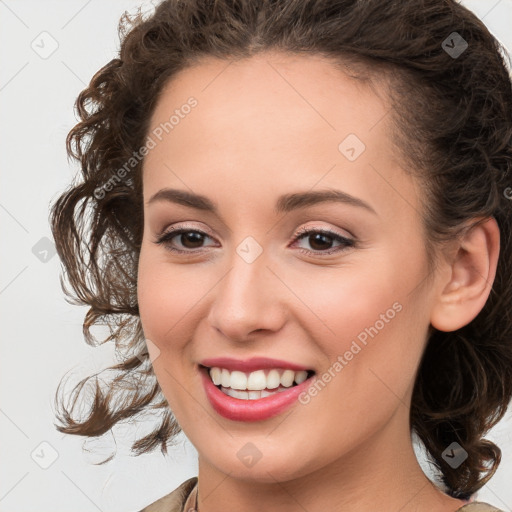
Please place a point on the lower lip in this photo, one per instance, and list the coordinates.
(251, 410)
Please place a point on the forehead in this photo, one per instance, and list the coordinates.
(282, 93)
(272, 121)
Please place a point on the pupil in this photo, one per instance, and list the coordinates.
(319, 237)
(191, 237)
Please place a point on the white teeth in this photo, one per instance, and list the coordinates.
(250, 395)
(216, 375)
(225, 378)
(238, 380)
(235, 393)
(287, 378)
(273, 379)
(257, 381)
(301, 376)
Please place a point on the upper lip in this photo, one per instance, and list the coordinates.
(250, 365)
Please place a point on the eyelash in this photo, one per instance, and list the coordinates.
(168, 236)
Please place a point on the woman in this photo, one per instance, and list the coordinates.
(299, 208)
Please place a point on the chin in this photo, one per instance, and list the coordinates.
(249, 465)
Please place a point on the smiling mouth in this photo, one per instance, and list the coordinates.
(257, 384)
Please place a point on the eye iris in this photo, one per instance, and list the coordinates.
(193, 237)
(319, 237)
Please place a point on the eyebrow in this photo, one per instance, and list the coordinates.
(285, 203)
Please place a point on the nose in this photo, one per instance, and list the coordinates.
(249, 299)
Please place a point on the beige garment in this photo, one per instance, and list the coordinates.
(182, 499)
(478, 506)
(177, 500)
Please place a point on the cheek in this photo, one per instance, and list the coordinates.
(166, 295)
(372, 359)
(166, 304)
(367, 315)
(343, 302)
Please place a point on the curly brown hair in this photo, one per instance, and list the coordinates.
(453, 119)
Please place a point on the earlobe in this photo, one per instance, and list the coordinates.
(470, 276)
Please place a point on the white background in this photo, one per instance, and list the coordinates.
(41, 333)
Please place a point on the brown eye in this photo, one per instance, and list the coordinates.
(191, 239)
(321, 241)
(188, 240)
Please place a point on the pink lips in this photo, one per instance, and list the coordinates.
(251, 365)
(250, 410)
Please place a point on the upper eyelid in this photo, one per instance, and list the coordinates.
(296, 235)
(170, 229)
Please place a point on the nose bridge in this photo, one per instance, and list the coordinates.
(247, 298)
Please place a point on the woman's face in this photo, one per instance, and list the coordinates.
(260, 141)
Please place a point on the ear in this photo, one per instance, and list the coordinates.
(467, 278)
